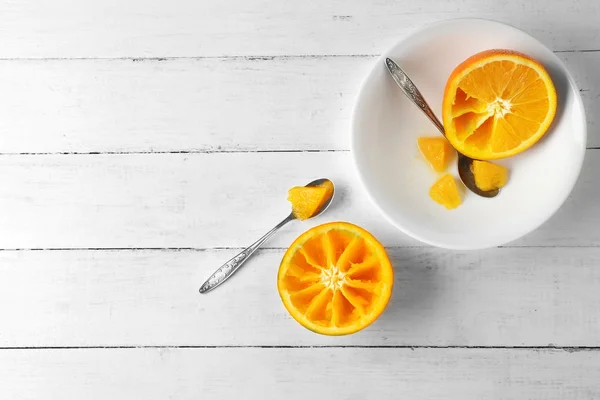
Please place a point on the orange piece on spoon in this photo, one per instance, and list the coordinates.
(308, 200)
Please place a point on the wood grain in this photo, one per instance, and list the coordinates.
(209, 111)
(212, 200)
(199, 105)
(138, 28)
(420, 374)
(501, 297)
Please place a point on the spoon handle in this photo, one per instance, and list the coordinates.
(411, 91)
(226, 270)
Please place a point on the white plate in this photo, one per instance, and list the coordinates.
(386, 126)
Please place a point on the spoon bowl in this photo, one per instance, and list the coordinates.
(466, 175)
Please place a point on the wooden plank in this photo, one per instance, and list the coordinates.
(232, 104)
(500, 297)
(178, 105)
(68, 28)
(427, 374)
(211, 200)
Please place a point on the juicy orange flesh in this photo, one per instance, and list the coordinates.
(306, 201)
(445, 192)
(489, 176)
(329, 191)
(437, 151)
(501, 107)
(335, 279)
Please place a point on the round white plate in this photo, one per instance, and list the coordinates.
(386, 126)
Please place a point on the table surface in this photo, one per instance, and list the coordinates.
(146, 142)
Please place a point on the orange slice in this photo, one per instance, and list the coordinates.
(445, 192)
(335, 279)
(437, 151)
(307, 200)
(489, 176)
(497, 103)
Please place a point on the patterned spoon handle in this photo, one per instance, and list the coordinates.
(411, 91)
(226, 270)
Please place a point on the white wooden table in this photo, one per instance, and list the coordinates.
(143, 143)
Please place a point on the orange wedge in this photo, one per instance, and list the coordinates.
(307, 200)
(437, 151)
(335, 279)
(497, 103)
(445, 192)
(489, 176)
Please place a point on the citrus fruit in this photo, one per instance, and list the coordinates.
(497, 103)
(335, 279)
(308, 200)
(489, 176)
(437, 151)
(445, 192)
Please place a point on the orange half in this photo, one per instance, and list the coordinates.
(335, 279)
(497, 103)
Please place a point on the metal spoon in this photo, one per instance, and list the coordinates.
(411, 91)
(228, 269)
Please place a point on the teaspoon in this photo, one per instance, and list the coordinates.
(226, 270)
(410, 90)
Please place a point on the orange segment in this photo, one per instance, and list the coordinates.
(437, 151)
(307, 200)
(445, 192)
(497, 103)
(489, 176)
(335, 279)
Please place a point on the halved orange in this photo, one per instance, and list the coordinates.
(335, 279)
(497, 103)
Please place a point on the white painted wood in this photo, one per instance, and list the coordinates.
(297, 374)
(159, 28)
(211, 200)
(175, 105)
(259, 76)
(231, 104)
(500, 297)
